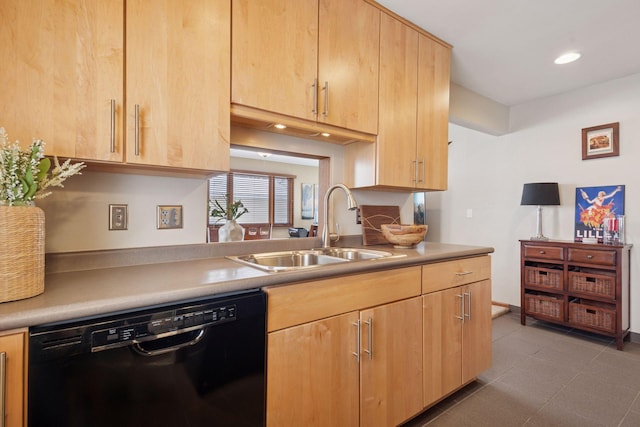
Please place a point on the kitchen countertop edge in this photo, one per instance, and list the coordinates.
(92, 293)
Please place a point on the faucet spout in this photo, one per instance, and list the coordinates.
(351, 205)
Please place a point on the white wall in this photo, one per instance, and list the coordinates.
(77, 215)
(486, 174)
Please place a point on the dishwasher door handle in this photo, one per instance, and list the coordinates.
(138, 347)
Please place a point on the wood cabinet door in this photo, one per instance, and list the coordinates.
(442, 341)
(391, 363)
(348, 54)
(312, 374)
(62, 67)
(433, 114)
(178, 74)
(13, 348)
(275, 55)
(477, 330)
(396, 145)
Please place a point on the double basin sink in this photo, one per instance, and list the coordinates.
(309, 258)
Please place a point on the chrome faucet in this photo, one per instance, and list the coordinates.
(351, 205)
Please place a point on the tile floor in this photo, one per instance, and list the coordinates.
(546, 375)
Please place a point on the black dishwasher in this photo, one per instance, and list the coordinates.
(197, 363)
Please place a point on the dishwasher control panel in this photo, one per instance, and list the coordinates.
(160, 324)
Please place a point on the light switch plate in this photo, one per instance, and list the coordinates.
(169, 217)
(118, 217)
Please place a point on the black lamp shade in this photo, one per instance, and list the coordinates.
(540, 193)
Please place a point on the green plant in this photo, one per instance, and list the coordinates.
(25, 175)
(232, 210)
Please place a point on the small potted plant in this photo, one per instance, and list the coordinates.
(231, 231)
(25, 175)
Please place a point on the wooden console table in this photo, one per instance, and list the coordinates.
(584, 286)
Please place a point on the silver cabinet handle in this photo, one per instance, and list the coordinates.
(137, 125)
(461, 317)
(326, 99)
(421, 179)
(315, 96)
(112, 146)
(415, 171)
(464, 273)
(589, 256)
(357, 352)
(3, 386)
(369, 322)
(468, 313)
(542, 252)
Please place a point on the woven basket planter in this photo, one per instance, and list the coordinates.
(21, 252)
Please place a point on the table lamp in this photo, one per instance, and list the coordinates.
(540, 194)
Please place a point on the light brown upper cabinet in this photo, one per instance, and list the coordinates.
(411, 151)
(178, 83)
(64, 80)
(62, 76)
(312, 60)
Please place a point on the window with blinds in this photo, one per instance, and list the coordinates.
(269, 198)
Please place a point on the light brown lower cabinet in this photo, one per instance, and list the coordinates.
(359, 368)
(457, 338)
(457, 324)
(376, 349)
(12, 377)
(345, 351)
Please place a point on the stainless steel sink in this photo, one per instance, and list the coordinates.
(311, 258)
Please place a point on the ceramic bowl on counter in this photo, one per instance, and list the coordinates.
(403, 235)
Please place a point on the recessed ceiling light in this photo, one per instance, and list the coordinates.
(264, 155)
(566, 58)
(280, 126)
(325, 134)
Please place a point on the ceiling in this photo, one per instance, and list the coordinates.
(504, 49)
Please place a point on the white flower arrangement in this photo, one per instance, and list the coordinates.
(26, 175)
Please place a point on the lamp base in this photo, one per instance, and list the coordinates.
(539, 238)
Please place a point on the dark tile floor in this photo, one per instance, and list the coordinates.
(546, 375)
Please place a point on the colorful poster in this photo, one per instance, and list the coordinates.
(593, 205)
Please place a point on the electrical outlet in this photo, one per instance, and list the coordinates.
(358, 217)
(118, 217)
(169, 217)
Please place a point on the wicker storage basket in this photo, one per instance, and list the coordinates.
(21, 252)
(593, 314)
(544, 277)
(595, 284)
(544, 305)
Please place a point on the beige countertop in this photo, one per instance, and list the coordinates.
(95, 291)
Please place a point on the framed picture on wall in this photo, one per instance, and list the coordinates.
(600, 141)
(307, 199)
(593, 205)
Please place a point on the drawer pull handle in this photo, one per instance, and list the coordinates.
(137, 129)
(370, 350)
(3, 385)
(357, 352)
(542, 252)
(464, 273)
(589, 256)
(112, 127)
(461, 317)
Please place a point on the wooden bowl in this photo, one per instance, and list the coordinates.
(403, 236)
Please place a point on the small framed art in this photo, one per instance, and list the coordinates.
(601, 141)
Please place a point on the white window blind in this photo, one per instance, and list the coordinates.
(281, 198)
(268, 198)
(253, 190)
